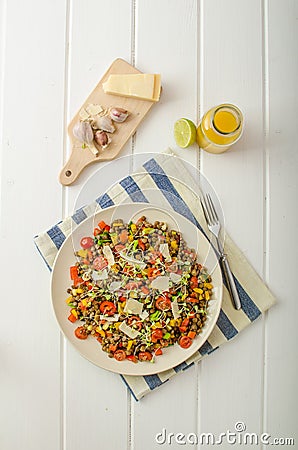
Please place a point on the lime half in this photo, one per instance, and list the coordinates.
(185, 133)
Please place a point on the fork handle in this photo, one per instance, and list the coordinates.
(230, 281)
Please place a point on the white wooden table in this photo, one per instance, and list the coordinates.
(52, 54)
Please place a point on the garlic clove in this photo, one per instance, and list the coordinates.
(118, 114)
(103, 123)
(101, 138)
(83, 132)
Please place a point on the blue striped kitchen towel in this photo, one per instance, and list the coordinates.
(158, 178)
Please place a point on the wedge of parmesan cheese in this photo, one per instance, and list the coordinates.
(145, 86)
(130, 332)
(133, 307)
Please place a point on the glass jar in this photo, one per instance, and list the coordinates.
(220, 128)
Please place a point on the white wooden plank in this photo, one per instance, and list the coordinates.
(94, 398)
(31, 135)
(281, 330)
(231, 71)
(166, 39)
(166, 42)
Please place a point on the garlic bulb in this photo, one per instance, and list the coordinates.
(83, 132)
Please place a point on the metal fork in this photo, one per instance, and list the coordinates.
(214, 226)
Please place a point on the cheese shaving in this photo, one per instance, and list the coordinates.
(93, 109)
(144, 315)
(161, 283)
(108, 255)
(113, 318)
(133, 307)
(175, 277)
(130, 332)
(83, 114)
(115, 285)
(164, 250)
(99, 275)
(175, 309)
(133, 261)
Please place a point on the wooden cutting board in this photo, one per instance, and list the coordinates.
(82, 157)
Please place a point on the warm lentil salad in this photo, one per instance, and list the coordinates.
(137, 288)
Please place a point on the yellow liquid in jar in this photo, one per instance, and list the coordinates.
(220, 127)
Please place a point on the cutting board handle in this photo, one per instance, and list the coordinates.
(79, 158)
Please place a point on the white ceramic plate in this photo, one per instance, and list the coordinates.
(90, 348)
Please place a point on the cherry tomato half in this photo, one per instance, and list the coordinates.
(120, 355)
(107, 308)
(156, 335)
(191, 299)
(163, 303)
(194, 282)
(158, 352)
(134, 320)
(86, 242)
(132, 358)
(96, 231)
(145, 356)
(100, 263)
(185, 342)
(81, 333)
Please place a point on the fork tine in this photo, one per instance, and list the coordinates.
(212, 208)
(205, 210)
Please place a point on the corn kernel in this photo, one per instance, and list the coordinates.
(117, 325)
(74, 313)
(90, 328)
(133, 227)
(100, 331)
(157, 325)
(172, 322)
(82, 253)
(207, 295)
(69, 299)
(114, 238)
(208, 285)
(80, 291)
(130, 343)
(84, 302)
(198, 290)
(130, 238)
(174, 245)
